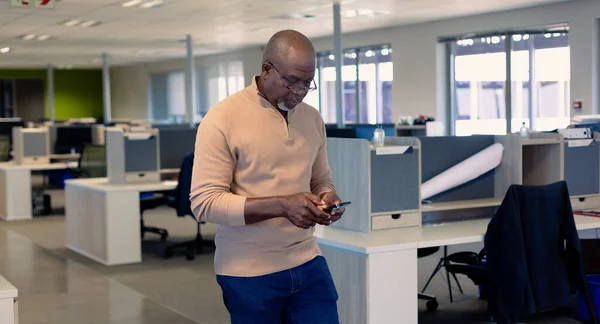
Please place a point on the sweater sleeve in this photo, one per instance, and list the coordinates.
(321, 181)
(211, 197)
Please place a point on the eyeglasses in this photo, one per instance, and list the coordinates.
(294, 89)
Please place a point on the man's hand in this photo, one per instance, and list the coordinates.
(331, 198)
(303, 210)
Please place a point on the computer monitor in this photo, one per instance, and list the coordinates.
(175, 144)
(31, 145)
(346, 132)
(72, 139)
(6, 126)
(132, 157)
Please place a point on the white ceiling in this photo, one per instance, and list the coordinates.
(136, 35)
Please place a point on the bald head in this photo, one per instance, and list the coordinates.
(288, 69)
(289, 46)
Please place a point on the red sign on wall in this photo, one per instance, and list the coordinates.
(50, 4)
(45, 3)
(577, 105)
(21, 3)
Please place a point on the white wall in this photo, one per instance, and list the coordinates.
(417, 60)
(130, 84)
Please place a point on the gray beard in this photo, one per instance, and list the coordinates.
(281, 106)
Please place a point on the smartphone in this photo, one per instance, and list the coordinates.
(336, 206)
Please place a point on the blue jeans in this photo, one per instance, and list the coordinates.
(302, 295)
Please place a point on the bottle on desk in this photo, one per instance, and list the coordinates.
(524, 131)
(378, 137)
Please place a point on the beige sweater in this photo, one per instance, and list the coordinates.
(244, 148)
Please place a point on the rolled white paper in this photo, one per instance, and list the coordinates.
(465, 171)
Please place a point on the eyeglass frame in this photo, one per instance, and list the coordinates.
(295, 90)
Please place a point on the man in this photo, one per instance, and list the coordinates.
(261, 174)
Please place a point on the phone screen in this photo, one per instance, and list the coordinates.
(336, 206)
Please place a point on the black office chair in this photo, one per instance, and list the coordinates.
(92, 162)
(432, 303)
(148, 202)
(524, 210)
(182, 205)
(445, 261)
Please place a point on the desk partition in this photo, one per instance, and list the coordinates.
(175, 143)
(383, 184)
(582, 169)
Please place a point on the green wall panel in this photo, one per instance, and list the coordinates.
(77, 93)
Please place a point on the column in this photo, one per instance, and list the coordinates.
(106, 88)
(508, 84)
(339, 56)
(50, 78)
(190, 82)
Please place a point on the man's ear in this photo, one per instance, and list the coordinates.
(266, 70)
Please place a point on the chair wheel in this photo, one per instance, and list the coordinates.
(190, 256)
(169, 253)
(432, 305)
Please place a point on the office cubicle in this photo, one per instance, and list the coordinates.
(175, 144)
(383, 184)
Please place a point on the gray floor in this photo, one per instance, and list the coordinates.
(58, 286)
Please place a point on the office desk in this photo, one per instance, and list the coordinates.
(103, 220)
(8, 303)
(15, 187)
(376, 273)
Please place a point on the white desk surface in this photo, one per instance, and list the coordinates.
(7, 290)
(39, 167)
(102, 185)
(452, 233)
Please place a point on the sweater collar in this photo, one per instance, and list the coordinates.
(257, 97)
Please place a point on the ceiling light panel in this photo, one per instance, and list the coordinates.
(146, 4)
(131, 3)
(89, 23)
(152, 4)
(71, 22)
(4, 50)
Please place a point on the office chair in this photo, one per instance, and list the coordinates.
(182, 205)
(92, 162)
(153, 201)
(432, 303)
(445, 261)
(520, 279)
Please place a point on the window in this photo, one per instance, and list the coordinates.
(539, 95)
(367, 75)
(167, 90)
(217, 82)
(167, 96)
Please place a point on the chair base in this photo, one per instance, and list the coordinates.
(192, 247)
(432, 303)
(164, 234)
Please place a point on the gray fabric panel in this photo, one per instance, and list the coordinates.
(141, 155)
(441, 153)
(394, 182)
(174, 145)
(34, 144)
(582, 169)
